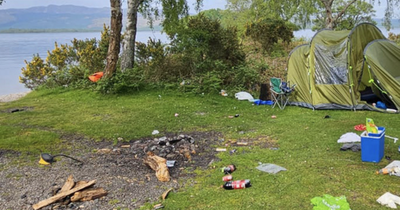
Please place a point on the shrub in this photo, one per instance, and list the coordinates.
(126, 81)
(268, 32)
(67, 64)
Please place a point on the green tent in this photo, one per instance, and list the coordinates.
(331, 73)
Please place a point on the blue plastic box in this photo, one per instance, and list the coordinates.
(373, 146)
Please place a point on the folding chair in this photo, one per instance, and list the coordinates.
(280, 92)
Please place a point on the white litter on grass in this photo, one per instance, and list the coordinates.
(270, 168)
(394, 164)
(244, 96)
(394, 138)
(389, 200)
(155, 132)
(349, 138)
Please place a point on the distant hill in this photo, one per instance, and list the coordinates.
(59, 18)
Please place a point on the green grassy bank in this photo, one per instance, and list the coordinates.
(307, 143)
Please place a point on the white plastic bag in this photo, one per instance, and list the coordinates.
(244, 96)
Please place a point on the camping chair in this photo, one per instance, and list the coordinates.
(280, 92)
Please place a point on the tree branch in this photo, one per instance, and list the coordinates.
(341, 13)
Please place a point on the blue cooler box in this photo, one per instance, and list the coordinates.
(373, 146)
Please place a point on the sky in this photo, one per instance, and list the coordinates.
(207, 4)
(20, 4)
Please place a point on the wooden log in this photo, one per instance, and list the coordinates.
(159, 165)
(59, 196)
(80, 183)
(89, 194)
(69, 184)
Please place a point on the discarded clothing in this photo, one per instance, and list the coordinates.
(329, 202)
(354, 147)
(349, 137)
(389, 200)
(270, 168)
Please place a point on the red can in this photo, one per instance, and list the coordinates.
(227, 178)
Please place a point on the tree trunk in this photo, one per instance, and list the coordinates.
(329, 23)
(115, 38)
(128, 44)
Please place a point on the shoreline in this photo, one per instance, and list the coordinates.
(13, 96)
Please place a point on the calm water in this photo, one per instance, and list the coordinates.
(15, 48)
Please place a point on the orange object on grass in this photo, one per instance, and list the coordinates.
(360, 127)
(96, 76)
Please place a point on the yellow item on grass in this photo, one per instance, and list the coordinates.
(43, 162)
(370, 126)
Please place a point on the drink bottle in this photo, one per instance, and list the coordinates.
(229, 169)
(388, 170)
(227, 178)
(239, 184)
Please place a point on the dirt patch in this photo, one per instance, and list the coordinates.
(119, 169)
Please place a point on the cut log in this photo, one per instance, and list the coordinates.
(69, 184)
(159, 165)
(89, 194)
(80, 183)
(59, 196)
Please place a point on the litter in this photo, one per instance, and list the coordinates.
(353, 147)
(47, 159)
(394, 138)
(171, 163)
(390, 171)
(330, 202)
(389, 200)
(155, 132)
(360, 127)
(220, 150)
(370, 126)
(349, 137)
(232, 151)
(261, 102)
(270, 168)
(238, 184)
(394, 164)
(96, 76)
(244, 96)
(223, 93)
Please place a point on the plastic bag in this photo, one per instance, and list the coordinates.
(370, 126)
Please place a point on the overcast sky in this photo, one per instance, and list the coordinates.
(8, 4)
(207, 4)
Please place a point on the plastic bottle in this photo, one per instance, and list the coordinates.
(388, 170)
(229, 169)
(239, 184)
(227, 178)
(383, 171)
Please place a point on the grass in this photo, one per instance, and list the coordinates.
(306, 141)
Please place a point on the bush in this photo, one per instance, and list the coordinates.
(65, 64)
(127, 81)
(269, 32)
